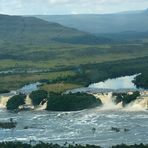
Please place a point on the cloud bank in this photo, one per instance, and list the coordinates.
(49, 7)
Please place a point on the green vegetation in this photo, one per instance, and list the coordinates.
(40, 57)
(64, 102)
(16, 144)
(31, 43)
(31, 30)
(8, 125)
(81, 75)
(59, 87)
(14, 102)
(142, 80)
(38, 96)
(98, 72)
(126, 98)
(131, 146)
(15, 81)
(71, 102)
(3, 91)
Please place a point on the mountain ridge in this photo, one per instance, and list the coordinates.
(34, 30)
(103, 23)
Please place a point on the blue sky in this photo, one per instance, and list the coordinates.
(49, 7)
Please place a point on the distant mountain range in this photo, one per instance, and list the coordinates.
(103, 23)
(31, 30)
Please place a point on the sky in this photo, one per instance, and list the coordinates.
(50, 7)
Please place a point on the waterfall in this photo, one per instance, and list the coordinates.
(42, 106)
(28, 101)
(108, 101)
(3, 101)
(138, 105)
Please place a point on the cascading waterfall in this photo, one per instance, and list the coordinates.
(138, 105)
(3, 101)
(5, 97)
(28, 101)
(42, 106)
(28, 104)
(107, 99)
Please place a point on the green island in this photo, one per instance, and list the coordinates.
(8, 125)
(15, 101)
(72, 102)
(142, 80)
(56, 101)
(38, 96)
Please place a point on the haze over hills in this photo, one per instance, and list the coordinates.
(103, 23)
(30, 38)
(33, 30)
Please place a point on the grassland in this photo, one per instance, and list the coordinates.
(68, 62)
(60, 87)
(78, 76)
(60, 55)
(12, 82)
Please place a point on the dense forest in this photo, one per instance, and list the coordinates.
(15, 101)
(91, 73)
(142, 80)
(38, 96)
(72, 102)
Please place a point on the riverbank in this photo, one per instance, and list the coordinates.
(118, 93)
(83, 74)
(46, 145)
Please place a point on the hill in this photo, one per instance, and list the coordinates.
(32, 30)
(32, 39)
(103, 23)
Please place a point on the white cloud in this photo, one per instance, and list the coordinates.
(69, 6)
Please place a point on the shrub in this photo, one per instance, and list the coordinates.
(14, 102)
(3, 91)
(38, 96)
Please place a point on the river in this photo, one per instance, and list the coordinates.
(78, 127)
(59, 127)
(121, 84)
